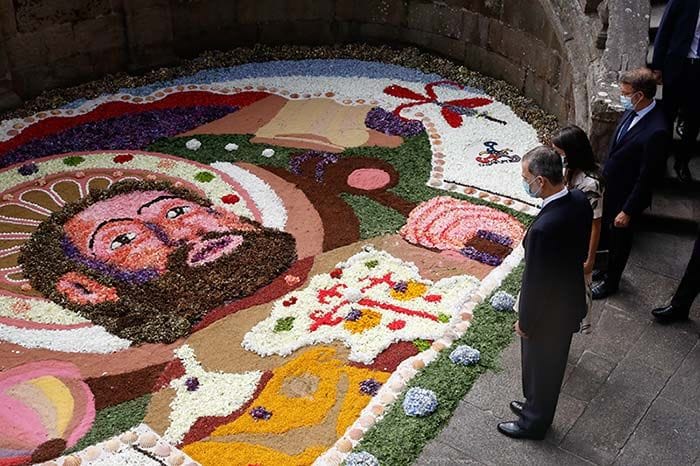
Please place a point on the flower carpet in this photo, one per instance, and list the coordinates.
(276, 262)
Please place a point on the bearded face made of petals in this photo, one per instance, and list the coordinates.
(147, 260)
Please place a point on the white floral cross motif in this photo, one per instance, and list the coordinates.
(199, 393)
(368, 302)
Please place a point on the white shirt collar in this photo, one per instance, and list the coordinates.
(555, 196)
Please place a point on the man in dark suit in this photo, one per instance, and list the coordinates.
(687, 291)
(676, 61)
(637, 155)
(552, 298)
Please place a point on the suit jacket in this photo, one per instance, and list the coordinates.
(675, 32)
(552, 297)
(633, 164)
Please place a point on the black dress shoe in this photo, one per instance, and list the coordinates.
(602, 290)
(668, 314)
(513, 430)
(517, 407)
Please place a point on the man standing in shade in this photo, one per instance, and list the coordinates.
(552, 298)
(676, 61)
(636, 157)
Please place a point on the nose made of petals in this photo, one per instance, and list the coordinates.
(161, 234)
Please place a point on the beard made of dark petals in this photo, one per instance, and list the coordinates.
(164, 309)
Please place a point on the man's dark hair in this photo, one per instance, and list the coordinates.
(642, 80)
(544, 161)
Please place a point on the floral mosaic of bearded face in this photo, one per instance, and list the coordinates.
(148, 260)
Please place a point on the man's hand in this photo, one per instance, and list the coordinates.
(622, 220)
(520, 333)
(588, 267)
(658, 76)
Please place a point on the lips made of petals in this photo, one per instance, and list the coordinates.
(206, 251)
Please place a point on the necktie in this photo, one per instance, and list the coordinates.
(626, 126)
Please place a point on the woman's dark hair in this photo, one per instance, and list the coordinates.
(578, 151)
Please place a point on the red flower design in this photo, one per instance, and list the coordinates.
(123, 158)
(452, 110)
(290, 301)
(230, 199)
(397, 325)
(433, 298)
(336, 273)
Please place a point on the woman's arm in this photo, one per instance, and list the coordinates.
(592, 246)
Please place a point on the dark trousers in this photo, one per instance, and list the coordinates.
(618, 242)
(689, 288)
(543, 364)
(681, 95)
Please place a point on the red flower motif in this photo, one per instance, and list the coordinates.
(336, 273)
(230, 199)
(397, 325)
(123, 158)
(451, 110)
(433, 298)
(290, 301)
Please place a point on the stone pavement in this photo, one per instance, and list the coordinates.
(631, 394)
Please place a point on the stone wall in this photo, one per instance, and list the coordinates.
(545, 48)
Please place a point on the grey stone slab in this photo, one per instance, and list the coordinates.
(495, 390)
(439, 454)
(588, 377)
(473, 431)
(669, 434)
(662, 253)
(616, 333)
(682, 387)
(614, 413)
(569, 409)
(665, 346)
(641, 290)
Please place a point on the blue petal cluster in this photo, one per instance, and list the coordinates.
(420, 402)
(465, 355)
(503, 301)
(361, 458)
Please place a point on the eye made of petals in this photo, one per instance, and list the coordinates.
(175, 212)
(122, 240)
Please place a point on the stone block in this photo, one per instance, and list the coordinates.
(612, 415)
(420, 16)
(616, 333)
(641, 290)
(514, 44)
(9, 99)
(439, 454)
(60, 41)
(109, 61)
(534, 87)
(30, 81)
(8, 23)
(26, 50)
(452, 48)
(495, 36)
(668, 434)
(103, 33)
(447, 21)
(588, 376)
(502, 68)
(381, 32)
(35, 15)
(569, 409)
(72, 70)
(665, 347)
(475, 56)
(682, 386)
(526, 15)
(297, 32)
(416, 37)
(262, 11)
(371, 11)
